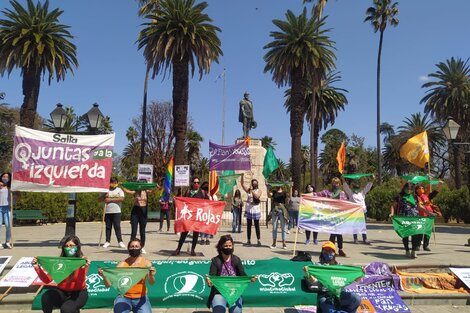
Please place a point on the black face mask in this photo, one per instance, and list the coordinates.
(134, 252)
(227, 251)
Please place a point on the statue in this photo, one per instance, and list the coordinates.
(245, 115)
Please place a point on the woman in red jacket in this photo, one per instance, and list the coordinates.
(71, 294)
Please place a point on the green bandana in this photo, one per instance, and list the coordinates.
(406, 226)
(59, 268)
(410, 199)
(231, 287)
(123, 278)
(335, 277)
(356, 176)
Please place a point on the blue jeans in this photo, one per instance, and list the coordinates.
(278, 216)
(348, 302)
(5, 218)
(136, 305)
(293, 219)
(236, 220)
(219, 305)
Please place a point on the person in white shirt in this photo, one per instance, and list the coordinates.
(112, 217)
(356, 195)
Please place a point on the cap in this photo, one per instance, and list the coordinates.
(329, 245)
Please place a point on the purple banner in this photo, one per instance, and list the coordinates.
(378, 276)
(380, 301)
(234, 157)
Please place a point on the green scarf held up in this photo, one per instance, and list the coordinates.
(59, 268)
(410, 199)
(335, 277)
(123, 278)
(231, 287)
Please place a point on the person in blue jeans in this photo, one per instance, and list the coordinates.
(237, 205)
(293, 210)
(279, 214)
(5, 203)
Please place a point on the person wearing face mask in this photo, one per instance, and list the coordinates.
(309, 190)
(425, 199)
(252, 209)
(328, 301)
(357, 195)
(135, 299)
(194, 192)
(334, 193)
(225, 264)
(71, 294)
(6, 207)
(406, 204)
(293, 210)
(112, 217)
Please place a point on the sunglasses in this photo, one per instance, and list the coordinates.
(195, 182)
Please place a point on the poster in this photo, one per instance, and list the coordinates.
(21, 275)
(463, 274)
(380, 301)
(145, 172)
(181, 175)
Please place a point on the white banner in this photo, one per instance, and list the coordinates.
(3, 262)
(145, 171)
(181, 175)
(52, 162)
(463, 274)
(21, 275)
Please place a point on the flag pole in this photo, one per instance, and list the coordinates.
(223, 107)
(11, 218)
(430, 190)
(102, 224)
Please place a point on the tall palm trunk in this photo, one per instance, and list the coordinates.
(31, 85)
(180, 107)
(315, 156)
(144, 117)
(296, 125)
(379, 165)
(313, 148)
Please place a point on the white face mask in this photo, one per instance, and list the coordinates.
(310, 189)
(5, 180)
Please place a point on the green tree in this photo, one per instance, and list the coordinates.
(8, 118)
(34, 41)
(267, 141)
(193, 147)
(298, 48)
(332, 140)
(179, 36)
(380, 15)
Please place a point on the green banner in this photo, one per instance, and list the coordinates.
(59, 268)
(136, 186)
(123, 278)
(420, 179)
(406, 226)
(181, 284)
(335, 277)
(356, 176)
(231, 287)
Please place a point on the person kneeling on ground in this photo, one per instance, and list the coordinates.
(135, 299)
(225, 264)
(327, 301)
(71, 294)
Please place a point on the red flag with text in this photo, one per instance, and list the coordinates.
(200, 215)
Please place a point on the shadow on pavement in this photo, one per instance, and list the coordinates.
(40, 244)
(387, 256)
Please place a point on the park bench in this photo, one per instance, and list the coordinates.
(153, 215)
(29, 215)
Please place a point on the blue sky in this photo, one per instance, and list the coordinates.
(111, 69)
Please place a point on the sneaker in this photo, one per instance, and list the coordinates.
(106, 244)
(208, 242)
(143, 251)
(341, 253)
(355, 241)
(414, 255)
(248, 243)
(426, 249)
(121, 244)
(272, 246)
(8, 245)
(418, 248)
(1, 246)
(315, 242)
(301, 231)
(287, 231)
(307, 241)
(284, 247)
(193, 253)
(259, 243)
(408, 254)
(366, 242)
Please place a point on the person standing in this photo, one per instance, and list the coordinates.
(334, 192)
(309, 190)
(112, 217)
(293, 210)
(237, 206)
(139, 212)
(279, 213)
(194, 192)
(425, 200)
(71, 294)
(165, 210)
(253, 211)
(5, 208)
(356, 195)
(135, 299)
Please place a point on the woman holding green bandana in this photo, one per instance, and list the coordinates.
(71, 294)
(406, 204)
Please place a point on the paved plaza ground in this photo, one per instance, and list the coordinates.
(447, 250)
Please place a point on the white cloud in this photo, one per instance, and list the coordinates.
(424, 78)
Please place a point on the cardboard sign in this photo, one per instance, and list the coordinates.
(181, 175)
(21, 275)
(145, 171)
(462, 273)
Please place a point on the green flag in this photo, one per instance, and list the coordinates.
(227, 180)
(136, 186)
(356, 176)
(231, 287)
(335, 277)
(274, 184)
(59, 268)
(270, 162)
(412, 225)
(123, 278)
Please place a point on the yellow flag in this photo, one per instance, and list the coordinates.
(416, 150)
(341, 157)
(213, 183)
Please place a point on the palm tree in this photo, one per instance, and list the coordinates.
(299, 47)
(332, 140)
(387, 130)
(448, 95)
(380, 15)
(34, 41)
(193, 146)
(178, 37)
(267, 141)
(305, 162)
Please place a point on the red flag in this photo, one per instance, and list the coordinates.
(200, 215)
(341, 157)
(213, 183)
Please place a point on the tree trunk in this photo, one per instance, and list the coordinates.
(31, 85)
(180, 108)
(379, 150)
(315, 156)
(457, 169)
(313, 150)
(296, 125)
(144, 117)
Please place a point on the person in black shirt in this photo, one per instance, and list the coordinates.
(279, 213)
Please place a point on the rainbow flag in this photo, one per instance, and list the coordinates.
(167, 182)
(332, 216)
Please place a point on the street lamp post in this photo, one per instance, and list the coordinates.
(59, 118)
(451, 130)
